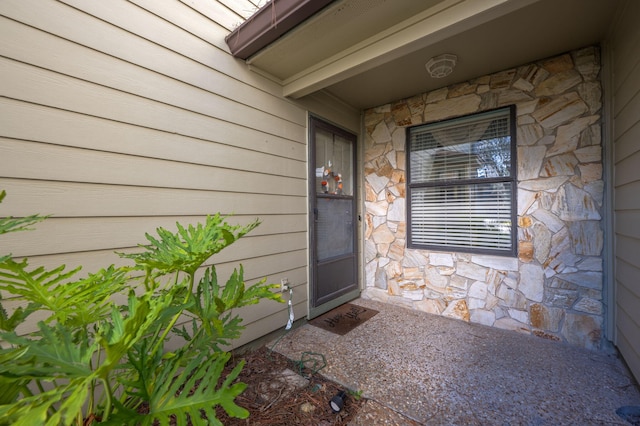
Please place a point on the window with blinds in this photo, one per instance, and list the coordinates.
(462, 184)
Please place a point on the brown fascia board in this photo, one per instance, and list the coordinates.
(270, 22)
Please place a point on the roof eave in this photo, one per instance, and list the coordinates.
(269, 23)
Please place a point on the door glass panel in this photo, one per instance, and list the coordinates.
(335, 227)
(334, 164)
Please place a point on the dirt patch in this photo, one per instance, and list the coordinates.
(270, 403)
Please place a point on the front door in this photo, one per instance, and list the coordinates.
(334, 261)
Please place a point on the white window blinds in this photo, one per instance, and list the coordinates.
(462, 184)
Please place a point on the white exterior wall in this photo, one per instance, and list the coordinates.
(118, 117)
(625, 46)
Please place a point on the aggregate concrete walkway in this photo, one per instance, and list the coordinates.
(416, 368)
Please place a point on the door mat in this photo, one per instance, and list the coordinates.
(343, 319)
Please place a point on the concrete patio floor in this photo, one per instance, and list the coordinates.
(416, 368)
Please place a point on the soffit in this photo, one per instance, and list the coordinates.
(371, 52)
(341, 25)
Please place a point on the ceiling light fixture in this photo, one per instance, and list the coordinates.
(441, 66)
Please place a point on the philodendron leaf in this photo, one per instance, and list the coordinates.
(188, 248)
(119, 334)
(212, 305)
(61, 405)
(58, 353)
(230, 329)
(36, 285)
(9, 323)
(234, 289)
(10, 390)
(80, 302)
(31, 410)
(236, 294)
(207, 301)
(258, 291)
(139, 374)
(13, 224)
(187, 394)
(90, 299)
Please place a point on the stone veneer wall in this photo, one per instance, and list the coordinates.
(554, 287)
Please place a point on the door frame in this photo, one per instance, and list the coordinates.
(314, 311)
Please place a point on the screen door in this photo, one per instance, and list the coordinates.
(333, 217)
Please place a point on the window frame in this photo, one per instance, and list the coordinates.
(512, 179)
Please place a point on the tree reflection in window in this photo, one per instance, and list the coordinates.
(461, 183)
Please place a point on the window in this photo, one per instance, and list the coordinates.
(462, 184)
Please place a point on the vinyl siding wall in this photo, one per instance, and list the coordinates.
(118, 117)
(625, 45)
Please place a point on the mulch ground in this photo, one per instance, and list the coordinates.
(308, 405)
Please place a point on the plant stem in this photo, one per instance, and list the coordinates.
(107, 406)
(173, 321)
(192, 278)
(147, 274)
(26, 391)
(40, 387)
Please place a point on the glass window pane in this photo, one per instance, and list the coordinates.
(472, 216)
(461, 183)
(462, 149)
(334, 164)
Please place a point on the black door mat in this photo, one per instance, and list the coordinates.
(630, 413)
(343, 319)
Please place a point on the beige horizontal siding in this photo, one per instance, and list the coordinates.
(628, 220)
(627, 117)
(192, 117)
(118, 117)
(169, 25)
(627, 143)
(628, 331)
(97, 233)
(27, 121)
(40, 161)
(243, 8)
(77, 246)
(626, 197)
(625, 172)
(626, 347)
(65, 199)
(626, 250)
(626, 127)
(105, 61)
(224, 16)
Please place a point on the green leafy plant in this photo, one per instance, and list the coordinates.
(92, 359)
(357, 395)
